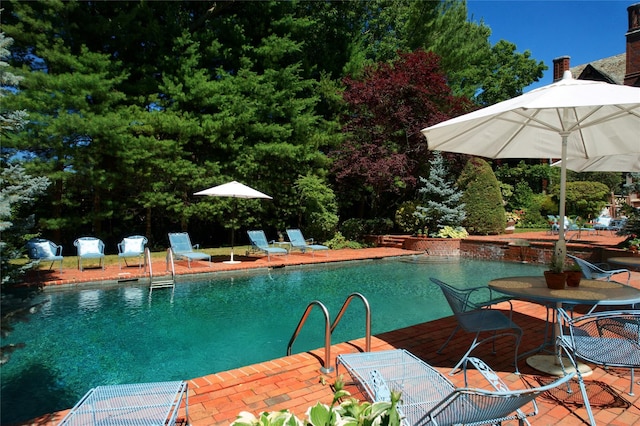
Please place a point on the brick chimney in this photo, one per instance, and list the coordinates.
(560, 65)
(632, 75)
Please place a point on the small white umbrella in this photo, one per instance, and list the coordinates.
(569, 119)
(233, 190)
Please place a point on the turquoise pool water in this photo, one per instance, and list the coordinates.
(98, 336)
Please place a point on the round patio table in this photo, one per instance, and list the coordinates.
(632, 262)
(589, 292)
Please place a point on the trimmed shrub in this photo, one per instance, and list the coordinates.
(482, 197)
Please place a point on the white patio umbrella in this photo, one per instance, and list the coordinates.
(607, 163)
(233, 190)
(569, 119)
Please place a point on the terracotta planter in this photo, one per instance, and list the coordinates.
(573, 278)
(555, 280)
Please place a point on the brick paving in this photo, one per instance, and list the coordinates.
(295, 382)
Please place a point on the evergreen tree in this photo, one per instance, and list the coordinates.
(441, 198)
(485, 213)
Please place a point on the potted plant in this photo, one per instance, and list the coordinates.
(574, 275)
(555, 275)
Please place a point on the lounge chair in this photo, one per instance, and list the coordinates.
(609, 338)
(598, 271)
(299, 242)
(129, 247)
(39, 249)
(259, 243)
(183, 249)
(476, 318)
(89, 248)
(429, 398)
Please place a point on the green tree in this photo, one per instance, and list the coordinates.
(440, 199)
(317, 206)
(482, 198)
(584, 199)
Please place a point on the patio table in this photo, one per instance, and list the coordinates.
(589, 292)
(133, 404)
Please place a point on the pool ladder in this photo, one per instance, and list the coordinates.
(328, 328)
(162, 281)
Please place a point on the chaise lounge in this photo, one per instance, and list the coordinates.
(259, 243)
(299, 242)
(183, 249)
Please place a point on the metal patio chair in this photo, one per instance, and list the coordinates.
(476, 317)
(131, 247)
(259, 243)
(183, 249)
(89, 248)
(609, 338)
(299, 242)
(39, 249)
(429, 398)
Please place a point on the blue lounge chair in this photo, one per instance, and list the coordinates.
(129, 247)
(259, 243)
(183, 249)
(40, 249)
(89, 248)
(299, 242)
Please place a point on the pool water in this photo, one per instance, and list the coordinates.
(98, 336)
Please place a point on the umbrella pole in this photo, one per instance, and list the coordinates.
(561, 246)
(233, 218)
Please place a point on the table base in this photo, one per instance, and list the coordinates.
(549, 364)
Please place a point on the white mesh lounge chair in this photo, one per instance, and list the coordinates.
(299, 242)
(131, 247)
(89, 248)
(429, 398)
(183, 249)
(598, 271)
(39, 249)
(259, 243)
(609, 338)
(476, 318)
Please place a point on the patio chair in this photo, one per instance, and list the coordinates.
(259, 243)
(299, 242)
(183, 249)
(609, 338)
(477, 318)
(429, 398)
(89, 248)
(39, 249)
(129, 247)
(598, 271)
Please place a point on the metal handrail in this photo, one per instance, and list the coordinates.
(327, 368)
(328, 331)
(367, 317)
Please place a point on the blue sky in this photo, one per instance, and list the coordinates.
(585, 30)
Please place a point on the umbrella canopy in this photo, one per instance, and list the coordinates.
(233, 190)
(569, 119)
(607, 163)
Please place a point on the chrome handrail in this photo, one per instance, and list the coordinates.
(327, 368)
(367, 317)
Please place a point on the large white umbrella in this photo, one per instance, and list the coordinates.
(569, 119)
(233, 190)
(607, 163)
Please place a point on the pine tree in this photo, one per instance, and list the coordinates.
(482, 197)
(442, 197)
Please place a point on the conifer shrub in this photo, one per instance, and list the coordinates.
(485, 213)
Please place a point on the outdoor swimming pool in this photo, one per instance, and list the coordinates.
(85, 338)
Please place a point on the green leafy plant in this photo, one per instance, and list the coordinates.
(349, 412)
(451, 232)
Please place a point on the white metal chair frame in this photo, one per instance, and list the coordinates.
(608, 338)
(596, 271)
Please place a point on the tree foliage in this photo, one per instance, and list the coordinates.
(482, 198)
(440, 200)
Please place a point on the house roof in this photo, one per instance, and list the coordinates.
(611, 69)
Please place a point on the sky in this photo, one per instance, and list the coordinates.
(585, 30)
